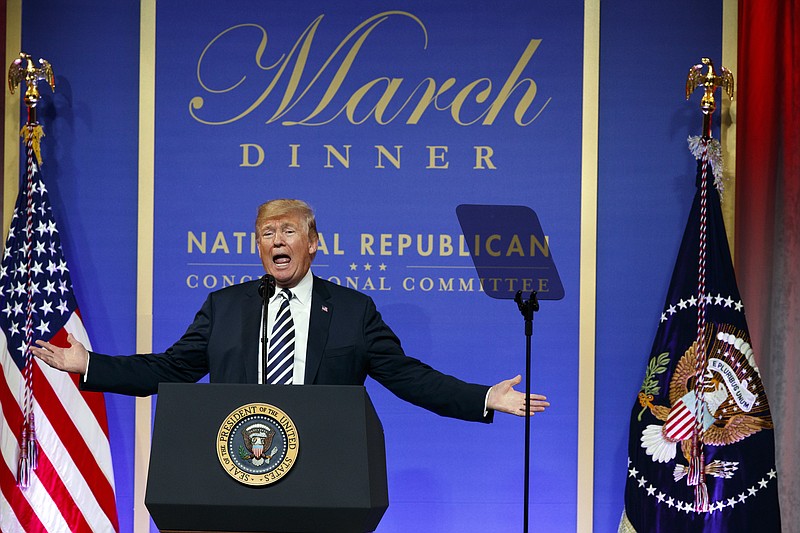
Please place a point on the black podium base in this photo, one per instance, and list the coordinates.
(336, 485)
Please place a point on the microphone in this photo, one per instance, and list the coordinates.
(265, 289)
(267, 286)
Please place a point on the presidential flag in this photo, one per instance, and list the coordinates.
(701, 452)
(56, 474)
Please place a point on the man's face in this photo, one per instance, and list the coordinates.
(285, 249)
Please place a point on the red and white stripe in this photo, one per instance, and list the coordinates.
(72, 489)
(680, 423)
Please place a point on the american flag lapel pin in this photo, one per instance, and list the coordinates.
(325, 308)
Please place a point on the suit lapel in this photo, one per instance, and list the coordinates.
(251, 328)
(318, 326)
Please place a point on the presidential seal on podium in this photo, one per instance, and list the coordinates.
(257, 444)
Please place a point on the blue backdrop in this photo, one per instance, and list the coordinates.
(328, 103)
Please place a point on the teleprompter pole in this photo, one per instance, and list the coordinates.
(527, 308)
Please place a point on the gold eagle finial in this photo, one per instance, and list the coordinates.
(709, 81)
(22, 69)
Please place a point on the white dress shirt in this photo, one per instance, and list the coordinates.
(300, 307)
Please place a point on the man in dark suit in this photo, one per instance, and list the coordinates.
(336, 334)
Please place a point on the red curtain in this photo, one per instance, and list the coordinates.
(767, 246)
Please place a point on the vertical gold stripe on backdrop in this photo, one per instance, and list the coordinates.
(144, 267)
(727, 133)
(11, 146)
(588, 265)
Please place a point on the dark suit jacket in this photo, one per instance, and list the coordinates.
(347, 341)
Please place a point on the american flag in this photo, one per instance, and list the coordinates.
(71, 487)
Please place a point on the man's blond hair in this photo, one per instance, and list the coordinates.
(283, 207)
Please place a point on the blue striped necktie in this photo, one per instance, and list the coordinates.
(280, 359)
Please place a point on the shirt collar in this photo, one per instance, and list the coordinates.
(301, 291)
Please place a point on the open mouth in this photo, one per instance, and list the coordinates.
(281, 259)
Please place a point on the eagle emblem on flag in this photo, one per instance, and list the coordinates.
(732, 410)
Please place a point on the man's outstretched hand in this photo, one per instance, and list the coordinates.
(73, 359)
(503, 398)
